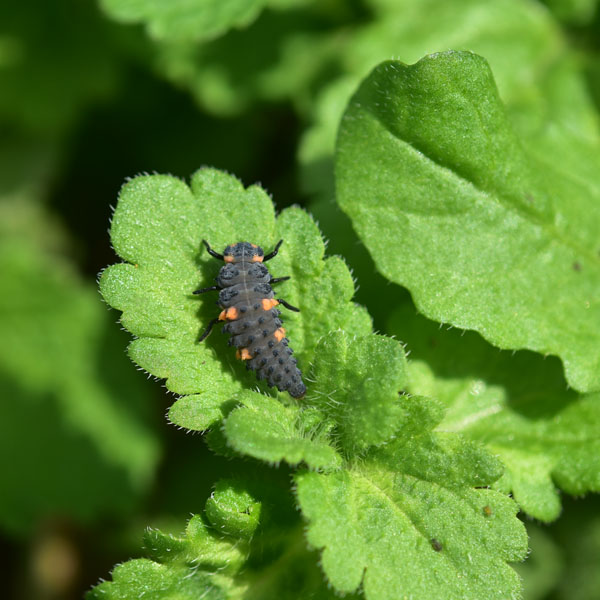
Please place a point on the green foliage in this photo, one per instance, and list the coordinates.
(265, 429)
(403, 521)
(517, 405)
(393, 476)
(357, 380)
(73, 69)
(226, 556)
(354, 401)
(482, 223)
(182, 19)
(66, 387)
(516, 37)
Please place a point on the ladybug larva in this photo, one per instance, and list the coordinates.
(248, 304)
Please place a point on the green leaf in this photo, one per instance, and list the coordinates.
(266, 429)
(357, 382)
(482, 224)
(517, 405)
(158, 227)
(75, 415)
(518, 38)
(405, 521)
(233, 510)
(185, 19)
(268, 562)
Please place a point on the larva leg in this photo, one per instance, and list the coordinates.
(208, 329)
(287, 305)
(208, 289)
(211, 251)
(274, 253)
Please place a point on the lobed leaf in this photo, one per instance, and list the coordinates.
(158, 227)
(482, 224)
(405, 521)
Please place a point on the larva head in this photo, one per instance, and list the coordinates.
(243, 251)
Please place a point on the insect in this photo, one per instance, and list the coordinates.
(248, 304)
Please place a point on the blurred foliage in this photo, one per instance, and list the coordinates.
(95, 91)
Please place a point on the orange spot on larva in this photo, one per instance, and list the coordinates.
(231, 314)
(228, 258)
(269, 303)
(257, 258)
(243, 354)
(279, 334)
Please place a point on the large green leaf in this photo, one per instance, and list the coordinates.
(406, 521)
(517, 37)
(518, 405)
(451, 206)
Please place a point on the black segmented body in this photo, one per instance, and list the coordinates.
(248, 303)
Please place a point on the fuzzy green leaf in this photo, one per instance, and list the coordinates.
(266, 429)
(158, 227)
(232, 510)
(185, 20)
(482, 224)
(268, 562)
(358, 380)
(517, 405)
(518, 38)
(406, 521)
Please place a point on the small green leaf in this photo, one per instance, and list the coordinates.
(185, 20)
(232, 510)
(156, 582)
(269, 562)
(405, 521)
(158, 227)
(358, 380)
(517, 405)
(482, 224)
(266, 429)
